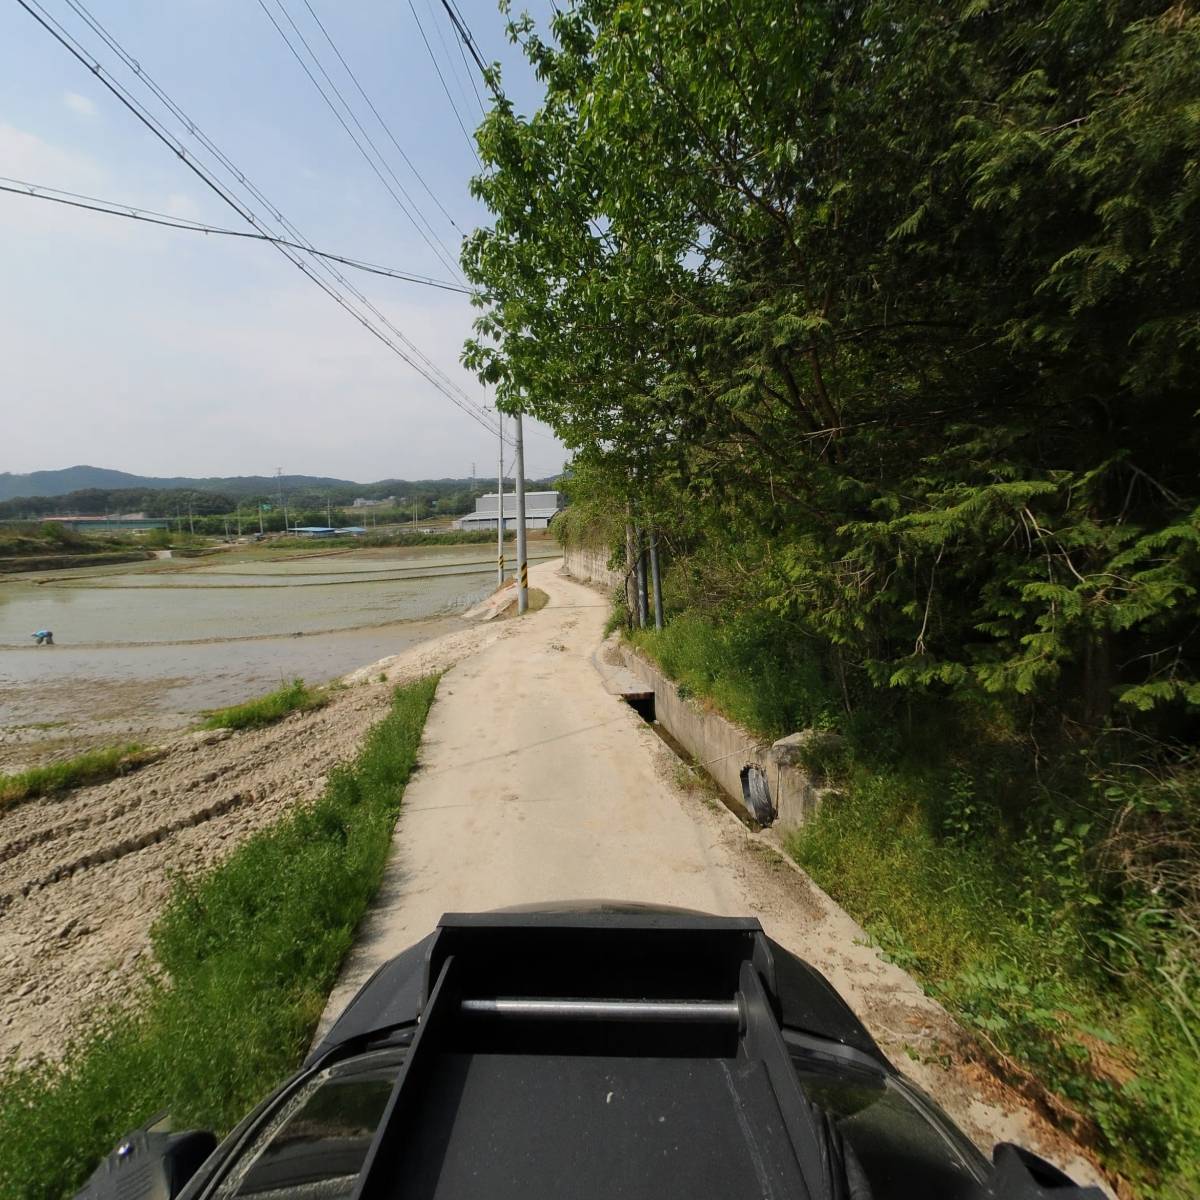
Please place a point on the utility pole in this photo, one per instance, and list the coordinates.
(522, 559)
(328, 518)
(239, 518)
(191, 523)
(261, 531)
(500, 507)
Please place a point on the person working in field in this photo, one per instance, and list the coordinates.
(44, 637)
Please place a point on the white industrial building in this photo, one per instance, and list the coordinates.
(540, 509)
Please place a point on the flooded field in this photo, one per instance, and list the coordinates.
(144, 647)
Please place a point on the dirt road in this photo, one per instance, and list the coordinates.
(537, 784)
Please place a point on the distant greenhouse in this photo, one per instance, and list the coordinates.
(540, 509)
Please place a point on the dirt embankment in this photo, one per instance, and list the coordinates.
(60, 562)
(84, 874)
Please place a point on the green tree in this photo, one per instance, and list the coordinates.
(902, 293)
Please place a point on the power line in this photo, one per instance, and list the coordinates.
(378, 117)
(148, 216)
(449, 57)
(469, 41)
(428, 370)
(442, 253)
(442, 80)
(471, 75)
(123, 94)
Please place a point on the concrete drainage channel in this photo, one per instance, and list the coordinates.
(765, 784)
(642, 703)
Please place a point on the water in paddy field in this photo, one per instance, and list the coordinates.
(146, 646)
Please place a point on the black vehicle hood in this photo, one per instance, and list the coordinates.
(398, 991)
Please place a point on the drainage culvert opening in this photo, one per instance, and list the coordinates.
(642, 703)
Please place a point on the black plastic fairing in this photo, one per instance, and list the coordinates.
(393, 996)
(588, 1055)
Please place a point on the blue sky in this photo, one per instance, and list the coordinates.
(163, 352)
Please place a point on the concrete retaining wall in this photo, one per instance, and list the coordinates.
(590, 564)
(725, 750)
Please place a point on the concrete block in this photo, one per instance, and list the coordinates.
(798, 748)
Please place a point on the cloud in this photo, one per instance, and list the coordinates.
(80, 105)
(27, 156)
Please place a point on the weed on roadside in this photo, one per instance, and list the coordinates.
(296, 696)
(95, 766)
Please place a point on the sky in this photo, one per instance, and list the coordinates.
(162, 352)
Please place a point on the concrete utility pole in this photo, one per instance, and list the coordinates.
(522, 559)
(500, 508)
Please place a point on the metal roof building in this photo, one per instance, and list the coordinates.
(540, 510)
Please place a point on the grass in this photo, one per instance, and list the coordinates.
(748, 667)
(1001, 931)
(246, 955)
(94, 766)
(296, 696)
(22, 539)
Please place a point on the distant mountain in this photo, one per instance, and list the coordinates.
(77, 479)
(93, 489)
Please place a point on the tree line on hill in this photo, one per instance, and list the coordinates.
(430, 498)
